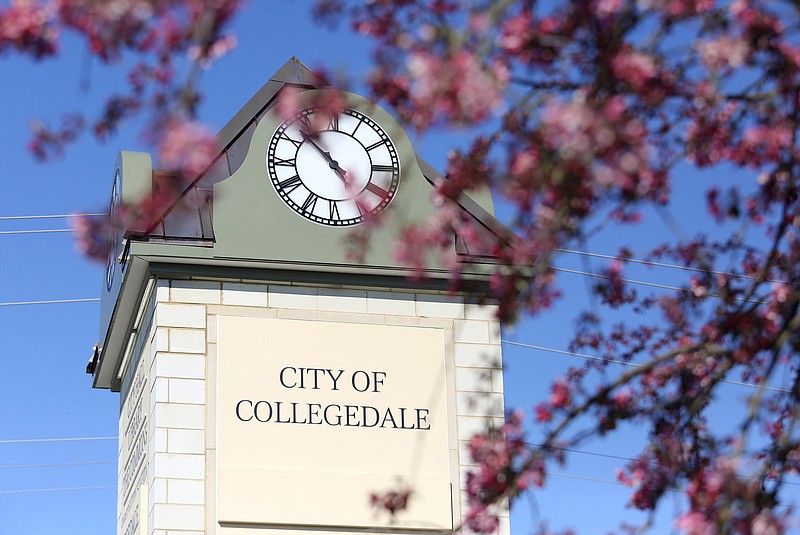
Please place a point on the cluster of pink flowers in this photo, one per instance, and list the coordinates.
(188, 147)
(507, 464)
(27, 26)
(457, 89)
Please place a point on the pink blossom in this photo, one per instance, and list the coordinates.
(680, 8)
(517, 33)
(28, 26)
(605, 9)
(695, 523)
(458, 88)
(560, 394)
(725, 51)
(698, 288)
(781, 292)
(636, 68)
(91, 236)
(766, 523)
(188, 147)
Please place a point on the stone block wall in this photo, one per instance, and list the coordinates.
(178, 359)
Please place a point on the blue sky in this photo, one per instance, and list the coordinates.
(44, 392)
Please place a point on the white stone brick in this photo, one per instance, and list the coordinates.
(191, 316)
(188, 291)
(480, 312)
(159, 440)
(474, 379)
(187, 341)
(252, 295)
(161, 339)
(185, 441)
(497, 381)
(464, 458)
(440, 306)
(172, 415)
(469, 426)
(477, 355)
(186, 491)
(158, 490)
(479, 404)
(160, 391)
(471, 331)
(504, 527)
(180, 366)
(180, 466)
(390, 303)
(495, 334)
(342, 300)
(211, 329)
(162, 290)
(191, 391)
(293, 297)
(183, 517)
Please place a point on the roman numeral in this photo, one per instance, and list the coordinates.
(334, 211)
(290, 184)
(360, 120)
(290, 162)
(334, 122)
(310, 203)
(377, 190)
(377, 144)
(377, 167)
(294, 141)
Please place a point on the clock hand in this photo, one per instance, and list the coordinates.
(333, 164)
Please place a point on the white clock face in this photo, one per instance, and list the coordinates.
(111, 260)
(347, 172)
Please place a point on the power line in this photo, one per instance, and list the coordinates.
(632, 260)
(612, 482)
(621, 458)
(49, 302)
(62, 489)
(54, 465)
(53, 216)
(71, 439)
(44, 231)
(633, 364)
(644, 283)
(629, 259)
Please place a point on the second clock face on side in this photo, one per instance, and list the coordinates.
(112, 241)
(346, 172)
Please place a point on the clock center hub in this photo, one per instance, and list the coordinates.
(340, 171)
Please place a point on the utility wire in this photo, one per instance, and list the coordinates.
(25, 491)
(44, 231)
(644, 283)
(54, 465)
(54, 216)
(35, 440)
(629, 259)
(612, 482)
(634, 364)
(658, 264)
(49, 302)
(621, 458)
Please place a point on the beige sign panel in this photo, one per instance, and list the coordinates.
(314, 417)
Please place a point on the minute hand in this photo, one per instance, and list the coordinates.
(333, 164)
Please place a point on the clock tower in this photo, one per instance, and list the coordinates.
(268, 382)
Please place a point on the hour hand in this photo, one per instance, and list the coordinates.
(333, 164)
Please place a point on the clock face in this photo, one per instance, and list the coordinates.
(111, 260)
(346, 173)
